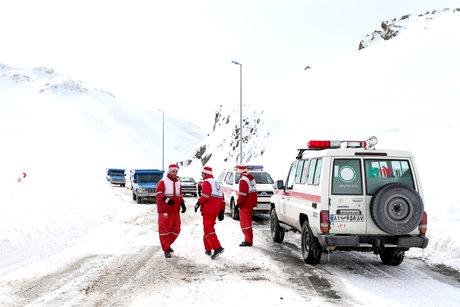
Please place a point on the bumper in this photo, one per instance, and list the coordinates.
(145, 194)
(262, 207)
(117, 182)
(189, 190)
(356, 242)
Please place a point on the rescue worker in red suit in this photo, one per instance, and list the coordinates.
(247, 200)
(212, 206)
(169, 202)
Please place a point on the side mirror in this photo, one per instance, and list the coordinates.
(280, 185)
(135, 180)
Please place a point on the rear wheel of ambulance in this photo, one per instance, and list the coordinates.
(311, 249)
(392, 256)
(277, 231)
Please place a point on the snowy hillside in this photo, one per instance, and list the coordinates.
(223, 142)
(403, 90)
(64, 135)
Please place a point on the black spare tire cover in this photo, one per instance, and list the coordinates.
(396, 208)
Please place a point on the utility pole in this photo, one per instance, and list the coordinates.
(241, 110)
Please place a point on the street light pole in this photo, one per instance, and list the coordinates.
(163, 143)
(241, 109)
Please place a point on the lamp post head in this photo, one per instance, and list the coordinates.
(235, 62)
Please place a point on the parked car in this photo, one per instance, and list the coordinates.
(264, 185)
(116, 176)
(144, 183)
(188, 186)
(347, 195)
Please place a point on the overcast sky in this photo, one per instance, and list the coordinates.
(177, 55)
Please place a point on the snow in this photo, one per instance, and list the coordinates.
(121, 262)
(65, 216)
(63, 135)
(403, 90)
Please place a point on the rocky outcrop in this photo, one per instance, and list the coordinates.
(392, 28)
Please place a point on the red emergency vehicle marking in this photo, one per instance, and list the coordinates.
(304, 196)
(230, 190)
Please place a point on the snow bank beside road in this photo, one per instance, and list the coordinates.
(37, 220)
(64, 135)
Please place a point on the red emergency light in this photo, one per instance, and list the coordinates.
(335, 144)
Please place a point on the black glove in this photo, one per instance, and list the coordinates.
(237, 207)
(184, 208)
(169, 201)
(221, 215)
(197, 206)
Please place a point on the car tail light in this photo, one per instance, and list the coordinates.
(324, 221)
(423, 224)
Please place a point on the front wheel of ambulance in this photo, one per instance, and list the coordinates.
(235, 212)
(392, 256)
(277, 231)
(311, 249)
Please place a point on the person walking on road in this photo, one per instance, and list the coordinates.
(247, 200)
(169, 202)
(212, 206)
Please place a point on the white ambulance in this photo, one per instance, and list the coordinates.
(347, 195)
(230, 179)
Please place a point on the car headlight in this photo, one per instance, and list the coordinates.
(142, 190)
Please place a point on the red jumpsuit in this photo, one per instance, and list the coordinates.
(168, 215)
(212, 202)
(247, 200)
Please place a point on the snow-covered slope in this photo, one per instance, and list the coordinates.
(223, 143)
(404, 90)
(63, 135)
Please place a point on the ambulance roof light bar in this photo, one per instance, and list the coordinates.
(252, 167)
(335, 144)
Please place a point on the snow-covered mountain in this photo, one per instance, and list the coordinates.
(63, 135)
(404, 90)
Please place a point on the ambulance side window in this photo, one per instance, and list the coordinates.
(226, 177)
(298, 173)
(311, 171)
(317, 176)
(291, 176)
(229, 178)
(303, 180)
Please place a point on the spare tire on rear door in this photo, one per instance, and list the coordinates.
(396, 208)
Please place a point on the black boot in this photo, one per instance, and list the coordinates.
(216, 253)
(208, 253)
(167, 254)
(245, 243)
(170, 250)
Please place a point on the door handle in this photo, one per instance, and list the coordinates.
(314, 205)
